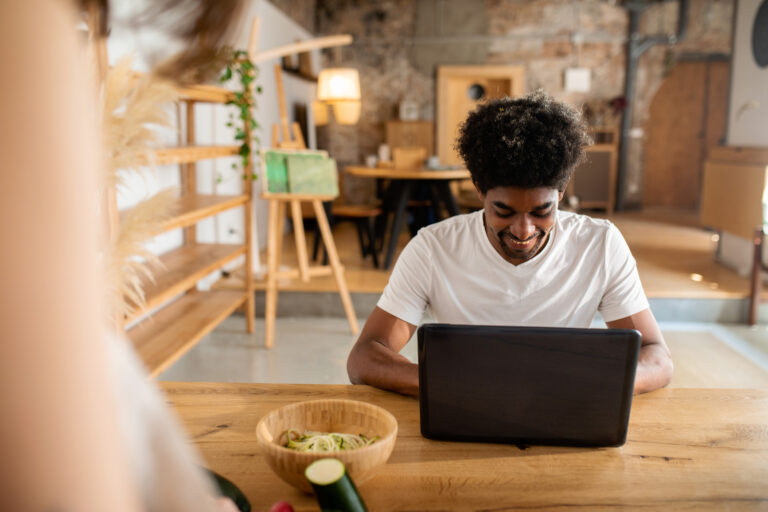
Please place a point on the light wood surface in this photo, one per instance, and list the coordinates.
(407, 174)
(411, 133)
(181, 269)
(408, 157)
(187, 154)
(298, 47)
(684, 122)
(286, 196)
(739, 155)
(168, 334)
(191, 208)
(205, 93)
(198, 92)
(732, 197)
(301, 240)
(687, 449)
(188, 170)
(336, 266)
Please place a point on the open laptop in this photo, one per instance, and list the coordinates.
(526, 385)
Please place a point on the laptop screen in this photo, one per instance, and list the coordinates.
(526, 385)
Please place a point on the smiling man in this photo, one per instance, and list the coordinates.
(519, 260)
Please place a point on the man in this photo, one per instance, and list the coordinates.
(519, 261)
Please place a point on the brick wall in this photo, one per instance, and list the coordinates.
(399, 43)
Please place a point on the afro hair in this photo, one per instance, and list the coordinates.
(527, 142)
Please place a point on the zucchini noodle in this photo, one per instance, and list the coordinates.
(314, 442)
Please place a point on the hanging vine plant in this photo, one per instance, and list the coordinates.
(239, 64)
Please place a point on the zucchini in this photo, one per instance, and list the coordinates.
(231, 491)
(334, 489)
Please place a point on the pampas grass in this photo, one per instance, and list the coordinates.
(133, 111)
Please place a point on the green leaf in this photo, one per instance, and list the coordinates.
(227, 75)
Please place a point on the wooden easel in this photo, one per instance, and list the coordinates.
(293, 139)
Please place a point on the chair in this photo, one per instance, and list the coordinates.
(758, 267)
(363, 215)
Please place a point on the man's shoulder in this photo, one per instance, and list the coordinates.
(584, 226)
(452, 227)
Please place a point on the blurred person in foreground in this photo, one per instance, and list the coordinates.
(83, 428)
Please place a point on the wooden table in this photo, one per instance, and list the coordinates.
(400, 190)
(692, 449)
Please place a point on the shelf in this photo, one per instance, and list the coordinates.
(202, 93)
(163, 338)
(191, 208)
(188, 154)
(181, 269)
(301, 76)
(205, 93)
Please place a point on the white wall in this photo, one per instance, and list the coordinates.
(747, 118)
(748, 108)
(276, 29)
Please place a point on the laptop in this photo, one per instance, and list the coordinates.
(526, 385)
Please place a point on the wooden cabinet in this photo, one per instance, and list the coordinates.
(734, 187)
(460, 89)
(182, 315)
(593, 182)
(411, 134)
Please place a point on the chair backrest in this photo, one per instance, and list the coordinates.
(409, 157)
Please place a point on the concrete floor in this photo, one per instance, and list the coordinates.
(314, 350)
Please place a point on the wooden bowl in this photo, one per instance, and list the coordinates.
(348, 416)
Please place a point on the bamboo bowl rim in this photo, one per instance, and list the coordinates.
(389, 437)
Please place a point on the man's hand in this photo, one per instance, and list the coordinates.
(654, 365)
(375, 358)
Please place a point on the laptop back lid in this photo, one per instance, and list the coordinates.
(526, 385)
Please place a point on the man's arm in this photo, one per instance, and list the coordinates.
(654, 366)
(375, 359)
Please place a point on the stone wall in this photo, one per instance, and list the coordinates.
(300, 11)
(399, 44)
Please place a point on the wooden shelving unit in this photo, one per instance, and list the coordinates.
(189, 154)
(188, 209)
(179, 314)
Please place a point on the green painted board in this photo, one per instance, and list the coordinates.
(276, 171)
(312, 174)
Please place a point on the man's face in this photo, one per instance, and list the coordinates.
(518, 220)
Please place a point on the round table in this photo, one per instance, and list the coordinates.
(401, 186)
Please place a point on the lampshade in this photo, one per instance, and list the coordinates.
(347, 112)
(320, 112)
(338, 84)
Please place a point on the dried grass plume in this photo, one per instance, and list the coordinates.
(134, 109)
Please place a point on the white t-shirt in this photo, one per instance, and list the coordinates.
(452, 269)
